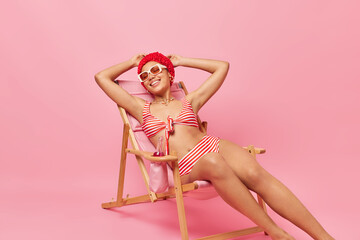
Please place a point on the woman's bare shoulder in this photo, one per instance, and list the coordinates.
(191, 97)
(141, 101)
(138, 111)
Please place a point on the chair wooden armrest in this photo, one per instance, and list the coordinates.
(149, 156)
(257, 150)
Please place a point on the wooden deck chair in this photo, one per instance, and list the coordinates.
(143, 148)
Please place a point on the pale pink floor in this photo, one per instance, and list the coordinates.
(70, 209)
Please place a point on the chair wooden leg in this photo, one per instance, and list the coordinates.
(123, 163)
(232, 234)
(180, 203)
(261, 202)
(263, 205)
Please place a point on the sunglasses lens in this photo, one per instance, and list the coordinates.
(144, 76)
(155, 69)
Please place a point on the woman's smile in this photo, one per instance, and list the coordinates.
(155, 83)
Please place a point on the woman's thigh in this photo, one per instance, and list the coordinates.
(242, 163)
(231, 157)
(210, 166)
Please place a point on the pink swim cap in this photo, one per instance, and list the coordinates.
(160, 58)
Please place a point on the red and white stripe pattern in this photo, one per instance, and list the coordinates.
(207, 144)
(152, 125)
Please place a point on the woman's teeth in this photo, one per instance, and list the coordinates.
(156, 82)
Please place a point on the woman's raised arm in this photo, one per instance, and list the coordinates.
(207, 89)
(105, 79)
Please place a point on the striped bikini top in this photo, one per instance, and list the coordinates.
(152, 125)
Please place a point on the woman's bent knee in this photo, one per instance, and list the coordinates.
(254, 176)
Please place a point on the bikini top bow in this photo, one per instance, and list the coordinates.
(169, 129)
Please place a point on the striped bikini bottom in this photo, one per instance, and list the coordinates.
(207, 144)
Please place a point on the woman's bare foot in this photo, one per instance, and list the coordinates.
(327, 237)
(281, 235)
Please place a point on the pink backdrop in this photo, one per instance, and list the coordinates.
(294, 77)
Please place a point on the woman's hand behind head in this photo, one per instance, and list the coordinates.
(137, 58)
(175, 59)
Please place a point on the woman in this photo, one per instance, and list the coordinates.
(229, 167)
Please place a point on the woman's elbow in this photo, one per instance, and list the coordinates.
(98, 76)
(226, 65)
